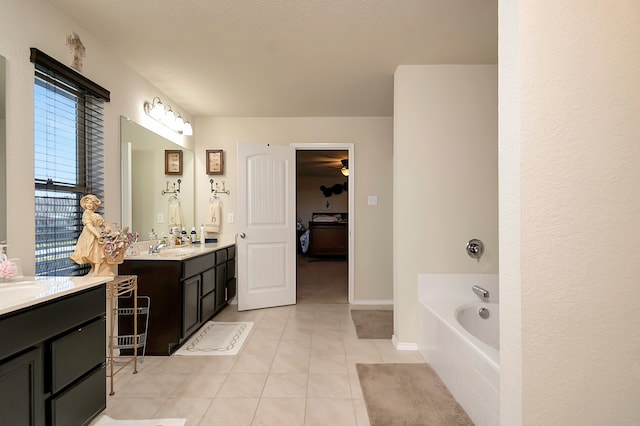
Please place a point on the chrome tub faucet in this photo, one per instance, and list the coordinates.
(480, 291)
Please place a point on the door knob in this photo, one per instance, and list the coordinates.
(242, 235)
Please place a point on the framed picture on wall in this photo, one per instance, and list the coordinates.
(215, 162)
(172, 162)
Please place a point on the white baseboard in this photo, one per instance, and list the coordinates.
(403, 346)
(372, 302)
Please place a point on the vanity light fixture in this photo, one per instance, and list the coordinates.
(165, 115)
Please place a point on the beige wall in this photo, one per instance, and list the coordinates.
(445, 177)
(371, 163)
(576, 66)
(36, 23)
(310, 199)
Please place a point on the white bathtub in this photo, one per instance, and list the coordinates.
(467, 357)
(487, 330)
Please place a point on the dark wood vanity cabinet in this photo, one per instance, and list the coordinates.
(52, 361)
(184, 295)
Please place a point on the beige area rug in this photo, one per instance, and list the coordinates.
(408, 395)
(217, 338)
(373, 324)
(108, 421)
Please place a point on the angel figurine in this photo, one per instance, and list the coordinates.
(89, 248)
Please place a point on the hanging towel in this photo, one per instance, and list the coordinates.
(214, 218)
(175, 214)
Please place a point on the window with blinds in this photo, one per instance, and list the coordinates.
(68, 159)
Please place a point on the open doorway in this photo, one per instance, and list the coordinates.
(323, 224)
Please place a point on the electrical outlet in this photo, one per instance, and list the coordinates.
(372, 200)
(231, 217)
(160, 218)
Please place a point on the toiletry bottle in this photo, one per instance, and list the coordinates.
(202, 237)
(152, 235)
(193, 235)
(175, 241)
(184, 237)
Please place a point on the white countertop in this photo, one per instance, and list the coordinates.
(181, 252)
(29, 291)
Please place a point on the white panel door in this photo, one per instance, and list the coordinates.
(266, 226)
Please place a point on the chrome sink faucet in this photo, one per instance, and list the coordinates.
(156, 248)
(480, 291)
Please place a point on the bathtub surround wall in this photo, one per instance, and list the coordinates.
(445, 182)
(37, 23)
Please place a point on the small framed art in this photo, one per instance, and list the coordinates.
(172, 162)
(215, 162)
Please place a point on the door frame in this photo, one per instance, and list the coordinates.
(351, 194)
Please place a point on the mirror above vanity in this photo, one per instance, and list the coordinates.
(3, 154)
(150, 197)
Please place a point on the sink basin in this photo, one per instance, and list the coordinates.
(11, 293)
(178, 252)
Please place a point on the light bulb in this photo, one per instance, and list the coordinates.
(157, 109)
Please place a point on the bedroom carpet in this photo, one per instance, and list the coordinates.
(408, 395)
(373, 324)
(322, 280)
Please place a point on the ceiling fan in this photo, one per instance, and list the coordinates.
(320, 163)
(345, 168)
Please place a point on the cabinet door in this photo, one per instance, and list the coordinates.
(21, 399)
(231, 273)
(221, 278)
(190, 306)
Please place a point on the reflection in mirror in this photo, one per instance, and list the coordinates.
(144, 206)
(3, 155)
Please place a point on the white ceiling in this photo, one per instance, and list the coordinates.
(286, 58)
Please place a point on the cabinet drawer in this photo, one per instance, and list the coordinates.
(221, 256)
(208, 305)
(73, 354)
(208, 281)
(81, 403)
(197, 265)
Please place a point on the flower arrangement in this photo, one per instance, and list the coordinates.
(115, 243)
(8, 269)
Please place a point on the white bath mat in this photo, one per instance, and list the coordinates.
(217, 338)
(108, 421)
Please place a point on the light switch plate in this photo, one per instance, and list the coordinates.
(160, 218)
(372, 200)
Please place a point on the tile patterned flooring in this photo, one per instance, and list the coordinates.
(296, 368)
